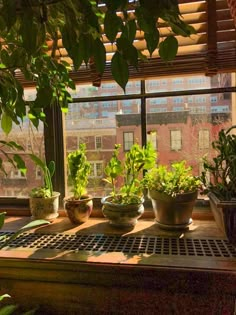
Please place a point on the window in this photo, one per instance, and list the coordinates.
(204, 139)
(98, 142)
(96, 169)
(152, 138)
(175, 140)
(16, 174)
(213, 98)
(38, 172)
(128, 140)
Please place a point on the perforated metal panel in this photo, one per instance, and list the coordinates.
(127, 244)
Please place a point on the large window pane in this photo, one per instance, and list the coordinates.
(193, 82)
(101, 125)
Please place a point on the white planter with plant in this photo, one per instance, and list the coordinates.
(173, 193)
(124, 205)
(78, 206)
(221, 187)
(44, 202)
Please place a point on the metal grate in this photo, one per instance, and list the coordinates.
(127, 244)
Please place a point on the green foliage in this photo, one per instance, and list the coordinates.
(136, 160)
(222, 168)
(48, 171)
(178, 180)
(31, 34)
(13, 158)
(79, 170)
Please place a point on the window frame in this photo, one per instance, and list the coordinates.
(55, 120)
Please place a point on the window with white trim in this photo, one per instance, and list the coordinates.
(128, 140)
(204, 139)
(175, 140)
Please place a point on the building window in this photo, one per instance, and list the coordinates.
(96, 169)
(213, 98)
(175, 140)
(152, 138)
(98, 143)
(38, 173)
(16, 174)
(128, 140)
(204, 139)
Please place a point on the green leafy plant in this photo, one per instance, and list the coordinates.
(48, 170)
(222, 168)
(14, 159)
(177, 180)
(129, 170)
(79, 170)
(32, 33)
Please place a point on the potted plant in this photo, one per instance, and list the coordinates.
(173, 193)
(124, 205)
(44, 202)
(80, 205)
(219, 179)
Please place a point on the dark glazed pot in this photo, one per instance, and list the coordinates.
(173, 212)
(78, 211)
(121, 215)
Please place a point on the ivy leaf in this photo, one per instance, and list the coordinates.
(120, 70)
(168, 48)
(112, 25)
(152, 40)
(99, 55)
(6, 123)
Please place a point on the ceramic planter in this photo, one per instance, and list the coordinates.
(45, 208)
(225, 216)
(121, 215)
(173, 212)
(78, 211)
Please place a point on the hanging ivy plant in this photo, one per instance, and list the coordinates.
(33, 32)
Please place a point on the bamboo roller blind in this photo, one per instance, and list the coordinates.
(211, 50)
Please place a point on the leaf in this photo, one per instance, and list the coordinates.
(99, 56)
(20, 163)
(120, 70)
(112, 25)
(28, 31)
(152, 40)
(168, 48)
(4, 296)
(2, 219)
(9, 12)
(25, 228)
(8, 309)
(129, 31)
(51, 167)
(44, 97)
(37, 161)
(6, 123)
(128, 51)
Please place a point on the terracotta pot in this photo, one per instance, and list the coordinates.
(78, 211)
(173, 212)
(225, 216)
(121, 215)
(45, 208)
